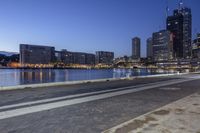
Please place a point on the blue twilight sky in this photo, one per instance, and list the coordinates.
(85, 25)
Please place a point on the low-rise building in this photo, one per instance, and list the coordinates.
(68, 57)
(104, 57)
(36, 54)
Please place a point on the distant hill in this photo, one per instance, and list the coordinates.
(8, 53)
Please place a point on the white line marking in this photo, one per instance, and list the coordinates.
(75, 95)
(48, 106)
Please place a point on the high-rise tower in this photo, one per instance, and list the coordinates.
(149, 47)
(180, 25)
(136, 47)
(162, 45)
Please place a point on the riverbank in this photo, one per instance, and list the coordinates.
(81, 82)
(15, 77)
(84, 68)
(68, 83)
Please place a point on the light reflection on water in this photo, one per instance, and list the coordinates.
(10, 77)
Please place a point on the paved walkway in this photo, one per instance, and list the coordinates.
(119, 102)
(182, 116)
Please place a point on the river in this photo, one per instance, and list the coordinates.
(12, 77)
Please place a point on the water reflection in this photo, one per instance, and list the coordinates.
(36, 76)
(10, 77)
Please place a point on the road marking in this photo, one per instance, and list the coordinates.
(75, 96)
(48, 106)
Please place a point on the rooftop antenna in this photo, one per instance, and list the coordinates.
(166, 13)
(180, 4)
(167, 9)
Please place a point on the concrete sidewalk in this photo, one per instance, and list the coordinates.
(182, 116)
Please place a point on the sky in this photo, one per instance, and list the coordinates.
(86, 25)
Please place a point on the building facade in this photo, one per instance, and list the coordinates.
(136, 47)
(175, 26)
(104, 57)
(35, 54)
(187, 31)
(68, 57)
(90, 59)
(162, 45)
(84, 58)
(180, 25)
(196, 47)
(149, 48)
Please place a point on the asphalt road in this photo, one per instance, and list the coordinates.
(18, 96)
(93, 115)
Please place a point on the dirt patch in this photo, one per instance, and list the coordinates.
(182, 128)
(131, 126)
(149, 118)
(135, 124)
(195, 104)
(153, 125)
(165, 131)
(192, 112)
(161, 112)
(179, 111)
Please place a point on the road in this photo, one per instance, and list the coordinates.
(91, 107)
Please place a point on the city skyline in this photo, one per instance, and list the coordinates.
(87, 26)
